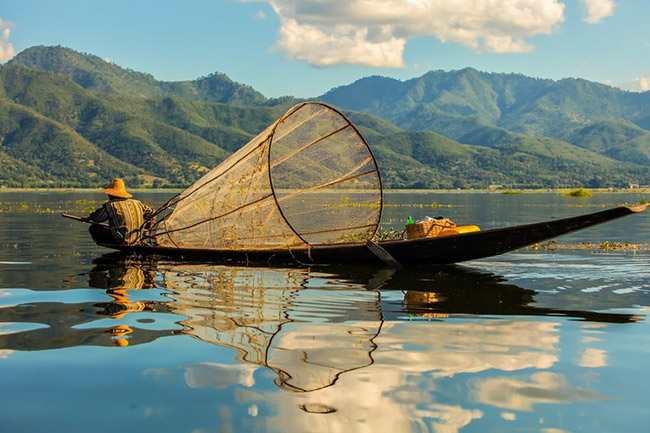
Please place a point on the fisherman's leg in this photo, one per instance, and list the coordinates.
(101, 234)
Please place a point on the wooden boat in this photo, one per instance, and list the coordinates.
(428, 251)
(308, 190)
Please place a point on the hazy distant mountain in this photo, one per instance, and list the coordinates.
(71, 119)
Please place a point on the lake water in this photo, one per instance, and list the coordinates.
(531, 341)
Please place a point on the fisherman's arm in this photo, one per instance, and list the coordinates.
(98, 215)
(147, 212)
(147, 216)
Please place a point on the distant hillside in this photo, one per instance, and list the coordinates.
(71, 119)
(478, 108)
(98, 75)
(617, 139)
(412, 159)
(36, 150)
(104, 127)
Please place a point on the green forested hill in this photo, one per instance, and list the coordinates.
(38, 150)
(71, 119)
(412, 159)
(99, 75)
(483, 109)
(617, 139)
(140, 143)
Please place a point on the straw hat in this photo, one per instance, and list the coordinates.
(116, 188)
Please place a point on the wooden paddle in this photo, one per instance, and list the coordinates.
(83, 220)
(382, 254)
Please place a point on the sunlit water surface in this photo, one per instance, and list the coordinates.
(531, 341)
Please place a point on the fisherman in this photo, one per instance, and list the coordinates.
(125, 217)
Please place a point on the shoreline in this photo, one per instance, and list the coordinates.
(172, 190)
(392, 191)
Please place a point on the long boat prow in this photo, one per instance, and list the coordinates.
(638, 207)
(491, 242)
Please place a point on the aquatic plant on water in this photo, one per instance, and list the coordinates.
(580, 192)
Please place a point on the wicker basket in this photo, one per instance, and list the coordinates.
(428, 229)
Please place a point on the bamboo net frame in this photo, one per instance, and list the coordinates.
(308, 179)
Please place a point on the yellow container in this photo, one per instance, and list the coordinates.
(459, 230)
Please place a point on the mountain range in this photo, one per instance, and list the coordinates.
(74, 119)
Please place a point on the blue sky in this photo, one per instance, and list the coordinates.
(305, 47)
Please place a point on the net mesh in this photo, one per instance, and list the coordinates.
(308, 179)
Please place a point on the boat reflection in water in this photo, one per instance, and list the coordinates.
(370, 348)
(392, 350)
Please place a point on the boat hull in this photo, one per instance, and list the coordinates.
(438, 250)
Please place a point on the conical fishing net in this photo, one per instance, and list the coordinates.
(308, 179)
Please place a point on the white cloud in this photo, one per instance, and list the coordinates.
(522, 395)
(344, 44)
(598, 9)
(374, 32)
(6, 49)
(260, 15)
(505, 44)
(593, 358)
(639, 84)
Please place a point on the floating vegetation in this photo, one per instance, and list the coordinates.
(385, 205)
(381, 235)
(580, 192)
(614, 246)
(30, 210)
(418, 205)
(388, 235)
(601, 246)
(7, 207)
(511, 192)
